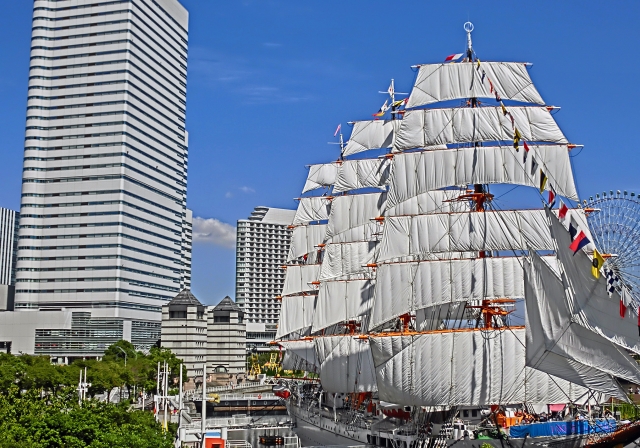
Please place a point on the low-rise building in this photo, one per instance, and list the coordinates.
(198, 334)
(226, 340)
(184, 331)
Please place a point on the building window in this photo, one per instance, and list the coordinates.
(177, 314)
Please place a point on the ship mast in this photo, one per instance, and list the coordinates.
(479, 195)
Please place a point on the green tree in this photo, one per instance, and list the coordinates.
(29, 420)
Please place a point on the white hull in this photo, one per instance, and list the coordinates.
(313, 429)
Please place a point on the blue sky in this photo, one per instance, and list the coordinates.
(269, 81)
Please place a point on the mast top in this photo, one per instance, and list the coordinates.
(468, 27)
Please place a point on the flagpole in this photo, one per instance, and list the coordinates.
(468, 27)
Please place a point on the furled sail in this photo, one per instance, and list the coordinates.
(406, 236)
(340, 301)
(298, 278)
(342, 260)
(428, 127)
(300, 355)
(321, 175)
(305, 239)
(352, 211)
(592, 307)
(346, 364)
(419, 172)
(443, 82)
(559, 346)
(312, 209)
(296, 315)
(407, 287)
(362, 173)
(437, 201)
(371, 134)
(465, 368)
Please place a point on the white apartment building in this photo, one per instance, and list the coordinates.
(262, 246)
(103, 210)
(8, 239)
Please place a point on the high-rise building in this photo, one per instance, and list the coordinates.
(187, 239)
(8, 239)
(103, 206)
(262, 246)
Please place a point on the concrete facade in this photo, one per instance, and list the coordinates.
(184, 331)
(226, 339)
(9, 220)
(104, 228)
(262, 246)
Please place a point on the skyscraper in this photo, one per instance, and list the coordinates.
(262, 246)
(103, 209)
(187, 240)
(8, 239)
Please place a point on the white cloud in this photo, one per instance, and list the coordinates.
(228, 195)
(247, 190)
(213, 231)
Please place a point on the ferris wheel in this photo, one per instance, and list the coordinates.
(614, 220)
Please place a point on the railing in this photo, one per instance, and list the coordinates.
(237, 444)
(238, 387)
(257, 396)
(238, 397)
(291, 442)
(237, 422)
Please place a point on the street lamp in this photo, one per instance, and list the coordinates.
(125, 354)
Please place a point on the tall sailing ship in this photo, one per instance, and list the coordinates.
(404, 274)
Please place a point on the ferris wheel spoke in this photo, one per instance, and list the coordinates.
(615, 227)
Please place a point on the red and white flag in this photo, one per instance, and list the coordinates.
(337, 129)
(562, 213)
(453, 57)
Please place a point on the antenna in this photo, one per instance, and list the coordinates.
(468, 27)
(341, 142)
(391, 91)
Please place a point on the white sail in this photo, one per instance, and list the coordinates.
(300, 355)
(437, 201)
(371, 134)
(420, 172)
(592, 307)
(312, 209)
(443, 82)
(460, 232)
(346, 364)
(296, 314)
(542, 388)
(352, 211)
(428, 127)
(342, 260)
(448, 368)
(298, 279)
(321, 175)
(559, 346)
(305, 239)
(362, 173)
(340, 301)
(407, 287)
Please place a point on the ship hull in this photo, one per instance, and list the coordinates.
(313, 428)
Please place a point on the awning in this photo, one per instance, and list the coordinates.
(556, 407)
